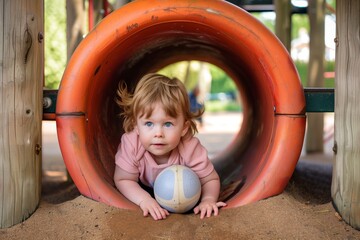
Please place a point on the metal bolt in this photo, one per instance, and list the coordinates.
(28, 111)
(40, 37)
(47, 102)
(37, 149)
(335, 147)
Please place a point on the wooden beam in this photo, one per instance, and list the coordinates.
(21, 75)
(345, 189)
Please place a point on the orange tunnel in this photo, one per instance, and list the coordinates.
(145, 36)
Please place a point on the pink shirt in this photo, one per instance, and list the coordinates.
(133, 158)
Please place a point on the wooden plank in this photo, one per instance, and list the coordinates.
(319, 99)
(21, 75)
(345, 189)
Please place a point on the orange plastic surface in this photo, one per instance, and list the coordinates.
(146, 35)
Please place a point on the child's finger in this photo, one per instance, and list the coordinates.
(196, 210)
(221, 204)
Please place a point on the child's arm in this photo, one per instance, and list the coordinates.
(129, 187)
(210, 189)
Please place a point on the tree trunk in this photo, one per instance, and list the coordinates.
(345, 189)
(21, 78)
(75, 19)
(315, 121)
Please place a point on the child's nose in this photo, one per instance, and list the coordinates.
(158, 132)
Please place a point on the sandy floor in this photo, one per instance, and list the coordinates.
(303, 211)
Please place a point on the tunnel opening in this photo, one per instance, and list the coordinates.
(117, 51)
(151, 58)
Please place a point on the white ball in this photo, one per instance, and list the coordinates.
(177, 189)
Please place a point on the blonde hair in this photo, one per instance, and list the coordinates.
(153, 88)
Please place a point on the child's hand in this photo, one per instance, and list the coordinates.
(150, 205)
(205, 208)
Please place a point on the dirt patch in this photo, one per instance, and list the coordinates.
(303, 211)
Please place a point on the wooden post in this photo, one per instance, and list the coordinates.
(283, 22)
(315, 76)
(21, 79)
(345, 187)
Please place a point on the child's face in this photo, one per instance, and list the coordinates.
(160, 133)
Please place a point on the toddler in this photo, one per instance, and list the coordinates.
(159, 132)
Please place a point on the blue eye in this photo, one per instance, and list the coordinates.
(168, 124)
(149, 124)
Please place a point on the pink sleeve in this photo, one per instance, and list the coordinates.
(126, 156)
(195, 157)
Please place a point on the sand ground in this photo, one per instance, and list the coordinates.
(303, 211)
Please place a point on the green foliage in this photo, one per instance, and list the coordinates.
(302, 68)
(268, 22)
(329, 67)
(55, 42)
(180, 70)
(177, 70)
(221, 82)
(222, 106)
(299, 21)
(331, 3)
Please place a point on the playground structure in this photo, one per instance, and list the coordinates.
(263, 156)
